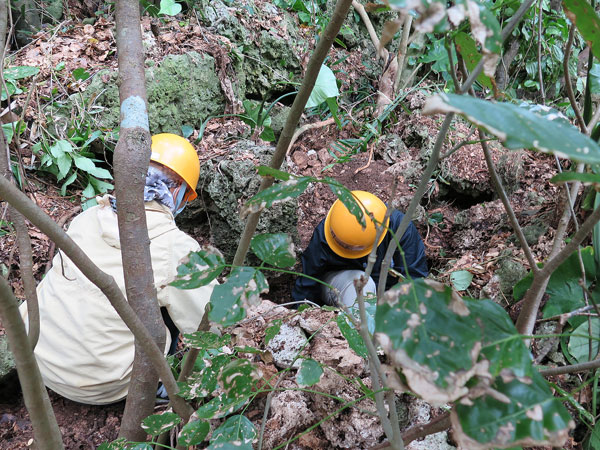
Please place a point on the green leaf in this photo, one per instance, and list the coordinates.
(64, 163)
(430, 333)
(159, 423)
(565, 293)
(522, 411)
(518, 127)
(60, 148)
(7, 128)
(325, 87)
(99, 172)
(309, 373)
(582, 14)
(585, 178)
(16, 73)
(467, 48)
(193, 433)
(100, 186)
(579, 345)
(68, 181)
(279, 192)
(204, 340)
(333, 109)
(204, 382)
(355, 340)
(346, 197)
(461, 279)
(118, 444)
(595, 78)
(267, 134)
(235, 429)
(272, 330)
(276, 249)
(592, 442)
(503, 346)
(270, 172)
(83, 163)
(241, 289)
(80, 74)
(169, 7)
(236, 379)
(88, 197)
(11, 89)
(201, 268)
(186, 131)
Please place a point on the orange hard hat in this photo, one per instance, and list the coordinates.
(345, 235)
(176, 153)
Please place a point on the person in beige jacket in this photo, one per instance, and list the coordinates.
(85, 351)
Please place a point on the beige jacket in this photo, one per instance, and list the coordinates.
(85, 351)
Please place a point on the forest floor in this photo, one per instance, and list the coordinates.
(460, 231)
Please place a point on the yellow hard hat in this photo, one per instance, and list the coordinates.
(345, 235)
(179, 155)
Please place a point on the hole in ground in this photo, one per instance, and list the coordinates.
(461, 199)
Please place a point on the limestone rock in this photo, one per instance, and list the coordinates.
(290, 412)
(7, 361)
(286, 346)
(225, 185)
(182, 90)
(353, 428)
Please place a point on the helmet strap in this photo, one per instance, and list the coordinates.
(178, 197)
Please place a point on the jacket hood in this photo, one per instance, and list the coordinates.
(159, 219)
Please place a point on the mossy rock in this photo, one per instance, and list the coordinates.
(225, 185)
(181, 90)
(7, 360)
(510, 272)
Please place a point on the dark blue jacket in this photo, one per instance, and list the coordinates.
(318, 259)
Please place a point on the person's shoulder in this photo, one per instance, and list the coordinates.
(396, 217)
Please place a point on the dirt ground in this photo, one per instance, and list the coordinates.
(450, 245)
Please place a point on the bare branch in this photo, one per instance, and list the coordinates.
(45, 429)
(568, 84)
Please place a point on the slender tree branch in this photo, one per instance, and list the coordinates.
(568, 84)
(506, 202)
(412, 207)
(403, 49)
(23, 240)
(531, 301)
(103, 281)
(360, 9)
(440, 423)
(581, 367)
(539, 56)
(45, 429)
(578, 237)
(593, 121)
(447, 45)
(389, 420)
(312, 71)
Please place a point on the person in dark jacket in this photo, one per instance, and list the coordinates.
(339, 248)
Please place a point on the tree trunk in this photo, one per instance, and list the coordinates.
(131, 159)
